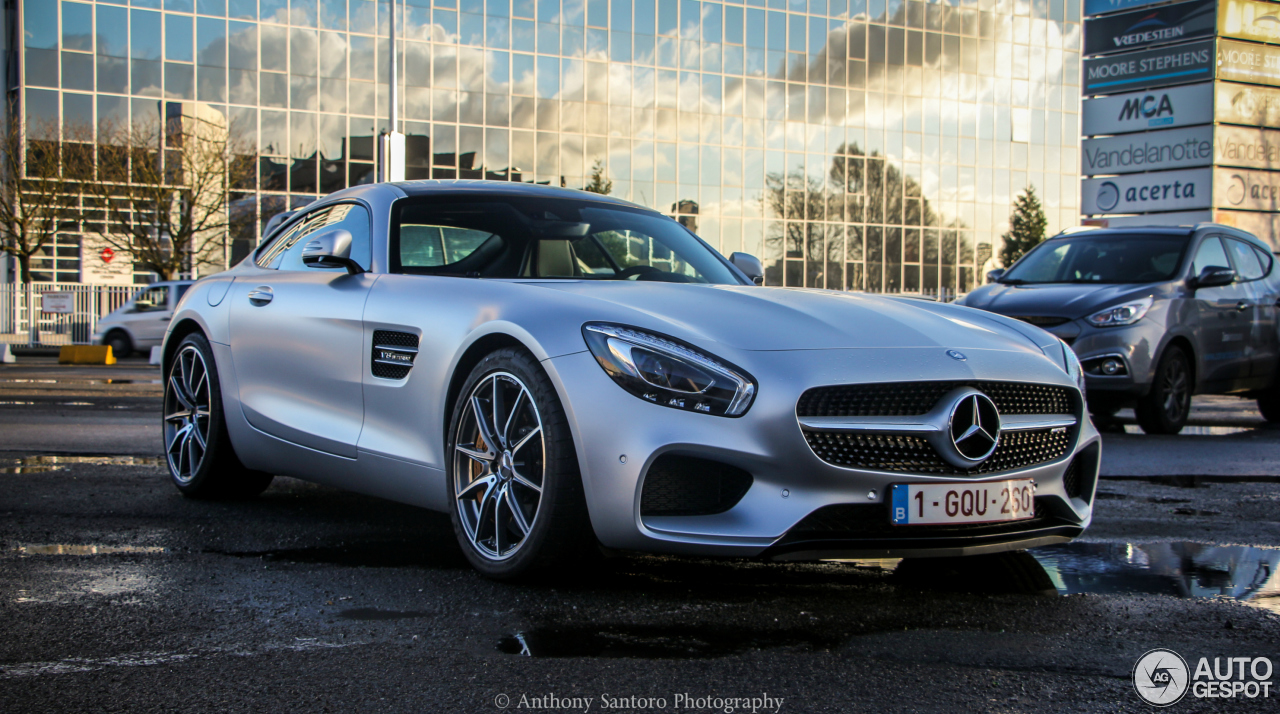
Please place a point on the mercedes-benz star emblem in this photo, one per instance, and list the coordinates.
(958, 356)
(975, 426)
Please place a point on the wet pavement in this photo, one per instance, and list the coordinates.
(118, 594)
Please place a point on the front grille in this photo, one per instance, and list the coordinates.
(1041, 320)
(1071, 481)
(689, 486)
(912, 398)
(858, 521)
(390, 338)
(912, 454)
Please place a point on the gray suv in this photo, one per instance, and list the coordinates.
(1155, 314)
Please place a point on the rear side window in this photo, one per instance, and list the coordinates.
(1266, 259)
(1210, 254)
(1246, 260)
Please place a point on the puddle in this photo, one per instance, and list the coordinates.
(17, 404)
(1196, 430)
(30, 469)
(67, 549)
(373, 613)
(1193, 481)
(1182, 569)
(75, 404)
(53, 461)
(624, 642)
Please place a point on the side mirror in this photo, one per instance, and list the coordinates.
(993, 276)
(330, 249)
(1213, 276)
(750, 265)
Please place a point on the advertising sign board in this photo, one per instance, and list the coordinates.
(1177, 218)
(1157, 109)
(1097, 7)
(1148, 151)
(1246, 146)
(1175, 64)
(1247, 104)
(100, 264)
(1249, 20)
(1145, 193)
(1149, 27)
(1247, 62)
(1246, 189)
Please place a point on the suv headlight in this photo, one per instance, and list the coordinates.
(1125, 314)
(657, 369)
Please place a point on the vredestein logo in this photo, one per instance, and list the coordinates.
(1149, 28)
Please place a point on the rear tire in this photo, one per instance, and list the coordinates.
(1164, 410)
(198, 451)
(518, 504)
(119, 342)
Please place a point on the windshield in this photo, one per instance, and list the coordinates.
(1111, 258)
(516, 237)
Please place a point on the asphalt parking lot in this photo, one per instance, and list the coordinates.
(117, 594)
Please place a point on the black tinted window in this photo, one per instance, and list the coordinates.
(285, 252)
(1109, 258)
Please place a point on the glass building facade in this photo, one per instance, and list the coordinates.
(861, 144)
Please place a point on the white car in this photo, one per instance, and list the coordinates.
(141, 323)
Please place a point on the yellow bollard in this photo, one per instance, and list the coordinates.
(86, 354)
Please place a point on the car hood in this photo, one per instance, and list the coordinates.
(1069, 300)
(760, 318)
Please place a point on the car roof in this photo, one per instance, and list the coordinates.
(445, 187)
(1185, 230)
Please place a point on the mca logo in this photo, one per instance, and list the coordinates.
(1161, 677)
(1157, 110)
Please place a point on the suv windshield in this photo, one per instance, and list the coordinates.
(1110, 258)
(516, 237)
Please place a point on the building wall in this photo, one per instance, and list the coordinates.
(872, 144)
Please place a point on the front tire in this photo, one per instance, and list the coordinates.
(513, 473)
(1165, 409)
(198, 451)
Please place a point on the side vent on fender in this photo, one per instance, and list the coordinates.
(393, 353)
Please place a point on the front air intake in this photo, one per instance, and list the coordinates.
(393, 353)
(689, 486)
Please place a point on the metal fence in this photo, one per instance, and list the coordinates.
(23, 320)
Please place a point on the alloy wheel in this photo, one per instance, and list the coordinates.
(187, 414)
(499, 465)
(1174, 383)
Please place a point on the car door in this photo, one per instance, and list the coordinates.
(1261, 308)
(151, 312)
(1222, 328)
(296, 335)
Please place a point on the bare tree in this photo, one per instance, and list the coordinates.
(40, 168)
(164, 189)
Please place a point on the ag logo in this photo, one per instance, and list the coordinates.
(1108, 196)
(1161, 677)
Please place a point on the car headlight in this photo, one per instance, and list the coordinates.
(1125, 314)
(657, 369)
(1072, 362)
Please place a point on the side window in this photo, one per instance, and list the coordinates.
(152, 300)
(428, 246)
(286, 252)
(1210, 253)
(1246, 260)
(1266, 260)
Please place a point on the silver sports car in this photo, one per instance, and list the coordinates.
(561, 371)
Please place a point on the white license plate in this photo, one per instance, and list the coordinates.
(985, 502)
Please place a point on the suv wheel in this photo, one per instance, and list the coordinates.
(1166, 407)
(119, 342)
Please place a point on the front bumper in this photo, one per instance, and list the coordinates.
(618, 438)
(1137, 344)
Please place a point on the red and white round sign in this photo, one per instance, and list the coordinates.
(107, 254)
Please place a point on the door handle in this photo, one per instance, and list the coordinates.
(260, 296)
